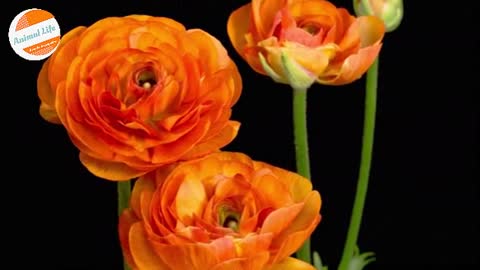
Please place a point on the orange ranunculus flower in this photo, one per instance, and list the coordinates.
(220, 212)
(325, 44)
(138, 92)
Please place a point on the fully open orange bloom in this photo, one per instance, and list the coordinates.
(326, 43)
(138, 92)
(223, 211)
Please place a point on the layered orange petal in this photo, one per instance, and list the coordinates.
(46, 88)
(190, 200)
(221, 139)
(307, 8)
(300, 229)
(264, 13)
(255, 262)
(141, 250)
(146, 184)
(196, 255)
(277, 221)
(60, 61)
(215, 55)
(237, 27)
(109, 170)
(125, 222)
(352, 68)
(298, 185)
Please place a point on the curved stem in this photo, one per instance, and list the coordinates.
(365, 164)
(123, 192)
(301, 151)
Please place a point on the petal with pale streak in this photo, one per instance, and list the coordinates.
(353, 67)
(255, 262)
(190, 200)
(364, 31)
(109, 170)
(291, 264)
(195, 255)
(315, 60)
(372, 30)
(141, 250)
(281, 218)
(290, 239)
(288, 245)
(309, 212)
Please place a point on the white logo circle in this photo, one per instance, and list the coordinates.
(34, 34)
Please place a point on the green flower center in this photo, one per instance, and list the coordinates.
(311, 29)
(228, 218)
(146, 78)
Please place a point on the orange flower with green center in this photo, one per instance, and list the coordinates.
(136, 93)
(300, 42)
(221, 212)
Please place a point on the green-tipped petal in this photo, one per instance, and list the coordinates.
(268, 69)
(297, 76)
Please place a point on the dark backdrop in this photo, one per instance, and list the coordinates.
(422, 209)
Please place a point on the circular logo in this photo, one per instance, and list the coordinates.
(34, 34)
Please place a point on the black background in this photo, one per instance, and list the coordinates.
(422, 209)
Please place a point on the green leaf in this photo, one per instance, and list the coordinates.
(360, 260)
(317, 262)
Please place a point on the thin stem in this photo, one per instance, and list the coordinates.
(365, 164)
(123, 190)
(301, 151)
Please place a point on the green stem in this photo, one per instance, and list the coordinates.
(365, 164)
(301, 151)
(123, 190)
